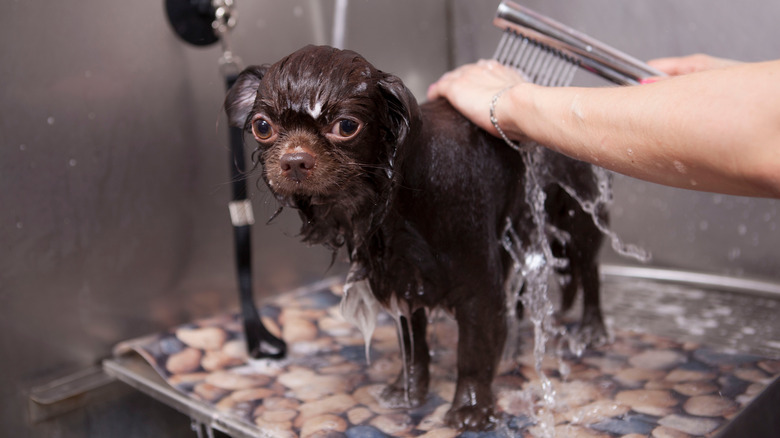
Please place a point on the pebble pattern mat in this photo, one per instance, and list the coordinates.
(639, 385)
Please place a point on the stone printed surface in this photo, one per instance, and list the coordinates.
(639, 385)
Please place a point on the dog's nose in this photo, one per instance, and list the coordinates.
(297, 166)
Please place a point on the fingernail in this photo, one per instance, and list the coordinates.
(644, 81)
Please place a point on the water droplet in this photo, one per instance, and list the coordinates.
(298, 11)
(87, 74)
(91, 116)
(742, 229)
(50, 120)
(19, 225)
(630, 152)
(734, 254)
(717, 199)
(703, 225)
(22, 147)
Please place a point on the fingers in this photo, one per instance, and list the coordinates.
(683, 65)
(671, 66)
(652, 79)
(489, 64)
(437, 89)
(483, 73)
(456, 74)
(470, 88)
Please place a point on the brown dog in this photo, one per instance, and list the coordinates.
(420, 198)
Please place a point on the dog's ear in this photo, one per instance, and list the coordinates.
(403, 112)
(241, 96)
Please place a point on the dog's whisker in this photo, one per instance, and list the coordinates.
(367, 166)
(275, 215)
(242, 177)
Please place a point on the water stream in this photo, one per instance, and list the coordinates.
(534, 265)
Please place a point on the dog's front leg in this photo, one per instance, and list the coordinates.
(481, 335)
(411, 387)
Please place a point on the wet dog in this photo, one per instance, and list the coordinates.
(419, 197)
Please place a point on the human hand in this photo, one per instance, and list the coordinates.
(471, 87)
(683, 65)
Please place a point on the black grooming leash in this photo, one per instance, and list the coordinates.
(260, 342)
(201, 23)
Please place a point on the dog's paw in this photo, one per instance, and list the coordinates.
(592, 332)
(472, 418)
(397, 396)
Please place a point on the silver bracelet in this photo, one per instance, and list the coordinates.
(494, 120)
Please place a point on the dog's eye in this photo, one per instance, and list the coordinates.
(262, 130)
(346, 128)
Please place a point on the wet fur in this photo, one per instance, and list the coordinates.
(419, 198)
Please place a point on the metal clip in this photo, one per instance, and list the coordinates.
(197, 426)
(225, 19)
(241, 213)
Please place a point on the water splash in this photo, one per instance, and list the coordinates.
(359, 306)
(592, 208)
(534, 265)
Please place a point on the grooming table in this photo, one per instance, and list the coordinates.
(679, 366)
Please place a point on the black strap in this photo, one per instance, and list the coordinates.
(260, 342)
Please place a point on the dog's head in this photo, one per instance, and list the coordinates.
(327, 123)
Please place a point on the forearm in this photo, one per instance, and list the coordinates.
(715, 131)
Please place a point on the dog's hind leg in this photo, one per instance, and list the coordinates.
(584, 263)
(592, 330)
(579, 243)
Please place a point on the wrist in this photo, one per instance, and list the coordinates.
(512, 108)
(494, 120)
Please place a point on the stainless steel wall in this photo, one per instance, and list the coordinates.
(114, 176)
(114, 169)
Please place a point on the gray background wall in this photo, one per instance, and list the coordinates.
(114, 169)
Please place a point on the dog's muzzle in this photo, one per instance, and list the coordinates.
(297, 166)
